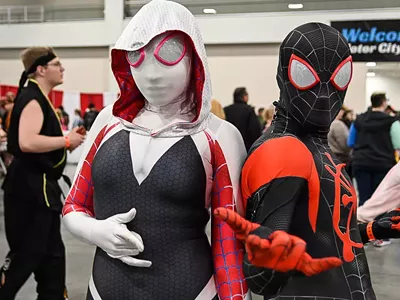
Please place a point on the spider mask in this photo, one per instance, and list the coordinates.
(315, 69)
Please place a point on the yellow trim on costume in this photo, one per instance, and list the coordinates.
(58, 118)
(60, 162)
(44, 190)
(51, 104)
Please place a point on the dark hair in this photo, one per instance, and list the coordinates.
(377, 99)
(91, 105)
(260, 110)
(239, 93)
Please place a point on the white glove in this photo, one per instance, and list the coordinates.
(110, 234)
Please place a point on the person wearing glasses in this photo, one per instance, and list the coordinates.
(32, 196)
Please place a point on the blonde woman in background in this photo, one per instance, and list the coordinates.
(268, 117)
(217, 109)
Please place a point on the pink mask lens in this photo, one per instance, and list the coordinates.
(135, 58)
(171, 50)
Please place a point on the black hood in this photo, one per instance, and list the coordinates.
(374, 121)
(314, 71)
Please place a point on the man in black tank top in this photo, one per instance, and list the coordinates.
(32, 196)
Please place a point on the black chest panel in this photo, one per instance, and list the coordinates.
(336, 233)
(171, 219)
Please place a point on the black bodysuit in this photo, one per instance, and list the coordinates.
(293, 182)
(172, 226)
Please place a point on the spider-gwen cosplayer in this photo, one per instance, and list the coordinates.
(155, 162)
(300, 202)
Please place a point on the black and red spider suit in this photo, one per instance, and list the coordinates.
(294, 185)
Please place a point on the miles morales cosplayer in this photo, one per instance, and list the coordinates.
(300, 203)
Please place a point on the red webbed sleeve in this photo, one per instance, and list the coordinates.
(80, 197)
(228, 252)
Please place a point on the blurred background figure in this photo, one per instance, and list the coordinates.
(384, 199)
(64, 116)
(348, 116)
(8, 105)
(60, 116)
(90, 116)
(261, 117)
(337, 138)
(268, 117)
(78, 121)
(217, 109)
(374, 137)
(391, 111)
(243, 117)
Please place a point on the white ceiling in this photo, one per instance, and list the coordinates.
(386, 69)
(250, 6)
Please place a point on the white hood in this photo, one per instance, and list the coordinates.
(153, 19)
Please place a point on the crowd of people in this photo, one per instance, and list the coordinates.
(157, 166)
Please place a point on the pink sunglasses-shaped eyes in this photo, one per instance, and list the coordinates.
(135, 58)
(170, 51)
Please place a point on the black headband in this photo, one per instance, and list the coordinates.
(40, 61)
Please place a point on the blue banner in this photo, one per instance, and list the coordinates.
(377, 40)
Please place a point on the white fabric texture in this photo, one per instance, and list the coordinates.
(153, 19)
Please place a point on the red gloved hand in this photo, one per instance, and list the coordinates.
(393, 217)
(388, 226)
(240, 225)
(281, 252)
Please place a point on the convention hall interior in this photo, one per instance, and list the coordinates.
(242, 39)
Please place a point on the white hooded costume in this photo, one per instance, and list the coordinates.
(153, 165)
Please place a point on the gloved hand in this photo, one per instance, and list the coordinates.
(281, 251)
(110, 234)
(387, 226)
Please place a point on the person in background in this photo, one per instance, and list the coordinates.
(78, 121)
(268, 117)
(32, 196)
(348, 116)
(384, 199)
(391, 111)
(90, 116)
(374, 137)
(62, 120)
(261, 117)
(8, 106)
(64, 116)
(217, 109)
(243, 117)
(337, 138)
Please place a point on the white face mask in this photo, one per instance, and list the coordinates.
(162, 69)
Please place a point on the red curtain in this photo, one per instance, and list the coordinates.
(56, 97)
(4, 89)
(96, 99)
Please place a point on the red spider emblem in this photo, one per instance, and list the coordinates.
(341, 181)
